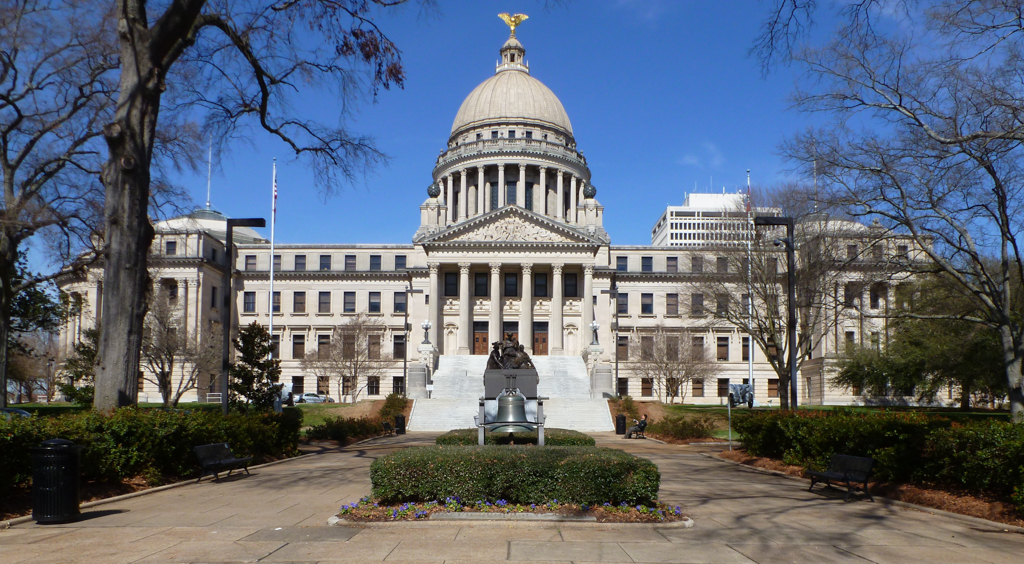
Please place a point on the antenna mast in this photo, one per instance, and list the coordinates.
(209, 171)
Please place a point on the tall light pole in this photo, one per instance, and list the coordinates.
(229, 298)
(790, 295)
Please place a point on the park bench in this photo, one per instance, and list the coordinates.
(218, 457)
(388, 429)
(851, 471)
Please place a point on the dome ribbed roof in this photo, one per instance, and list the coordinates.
(512, 94)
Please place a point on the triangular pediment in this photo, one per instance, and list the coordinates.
(512, 225)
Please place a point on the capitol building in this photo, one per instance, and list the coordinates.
(511, 240)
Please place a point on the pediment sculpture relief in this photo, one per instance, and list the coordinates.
(513, 229)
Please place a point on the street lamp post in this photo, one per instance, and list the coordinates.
(594, 326)
(229, 298)
(790, 244)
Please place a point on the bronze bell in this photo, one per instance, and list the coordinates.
(511, 407)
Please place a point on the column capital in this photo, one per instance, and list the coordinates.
(480, 168)
(527, 268)
(588, 269)
(561, 172)
(522, 167)
(433, 266)
(501, 167)
(462, 171)
(464, 267)
(557, 268)
(448, 176)
(495, 267)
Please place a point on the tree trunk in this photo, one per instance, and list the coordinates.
(965, 397)
(126, 178)
(8, 262)
(784, 390)
(1013, 361)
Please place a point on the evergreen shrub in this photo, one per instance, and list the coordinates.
(342, 428)
(516, 474)
(552, 437)
(394, 404)
(678, 427)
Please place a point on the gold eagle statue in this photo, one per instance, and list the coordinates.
(513, 21)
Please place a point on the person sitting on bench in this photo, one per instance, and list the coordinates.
(637, 429)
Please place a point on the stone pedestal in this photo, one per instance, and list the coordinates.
(428, 356)
(592, 357)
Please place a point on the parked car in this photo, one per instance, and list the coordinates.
(308, 397)
(326, 398)
(12, 412)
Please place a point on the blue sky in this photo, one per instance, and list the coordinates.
(661, 94)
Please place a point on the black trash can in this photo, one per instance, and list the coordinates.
(400, 424)
(55, 481)
(620, 424)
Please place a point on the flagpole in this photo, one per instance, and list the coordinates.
(273, 223)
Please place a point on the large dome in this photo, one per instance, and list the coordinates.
(509, 95)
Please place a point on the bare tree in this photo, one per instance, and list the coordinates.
(671, 361)
(234, 63)
(935, 152)
(57, 80)
(173, 358)
(354, 356)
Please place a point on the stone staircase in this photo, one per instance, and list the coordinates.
(458, 384)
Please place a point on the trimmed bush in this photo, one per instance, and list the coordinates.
(552, 437)
(341, 429)
(394, 405)
(516, 474)
(698, 427)
(153, 443)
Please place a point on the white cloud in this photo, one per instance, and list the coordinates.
(709, 157)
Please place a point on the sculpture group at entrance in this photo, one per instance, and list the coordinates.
(511, 379)
(508, 354)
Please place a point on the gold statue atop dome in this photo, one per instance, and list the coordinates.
(513, 21)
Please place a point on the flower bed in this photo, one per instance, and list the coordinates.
(367, 509)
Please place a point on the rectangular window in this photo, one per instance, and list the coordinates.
(250, 262)
(511, 284)
(851, 339)
(773, 265)
(374, 262)
(399, 346)
(723, 387)
(646, 304)
(571, 289)
(647, 264)
(171, 247)
(494, 135)
(876, 252)
(696, 265)
(399, 262)
(350, 262)
(323, 385)
(698, 388)
(622, 351)
(672, 348)
(277, 263)
(400, 302)
(275, 344)
(902, 251)
(300, 262)
(622, 300)
(398, 385)
(647, 347)
(298, 347)
(773, 387)
(672, 264)
(373, 386)
(373, 347)
(325, 262)
(349, 304)
(480, 284)
(622, 264)
(721, 305)
(298, 302)
(324, 303)
(276, 302)
(851, 252)
(647, 387)
(374, 302)
(878, 293)
(540, 285)
(511, 134)
(851, 294)
(723, 349)
(451, 284)
(745, 303)
(529, 135)
(723, 265)
(348, 346)
(622, 387)
(323, 346)
(671, 304)
(696, 305)
(298, 386)
(249, 302)
(213, 297)
(746, 348)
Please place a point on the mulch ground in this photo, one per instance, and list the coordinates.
(371, 512)
(944, 499)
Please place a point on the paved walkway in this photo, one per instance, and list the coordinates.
(279, 515)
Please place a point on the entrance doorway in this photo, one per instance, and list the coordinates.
(540, 338)
(480, 344)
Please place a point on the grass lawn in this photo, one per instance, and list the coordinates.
(317, 413)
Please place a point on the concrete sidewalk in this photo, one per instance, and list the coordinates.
(279, 514)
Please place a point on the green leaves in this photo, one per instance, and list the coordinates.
(552, 437)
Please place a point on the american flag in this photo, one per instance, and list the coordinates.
(273, 208)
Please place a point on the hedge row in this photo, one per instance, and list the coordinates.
(678, 427)
(341, 429)
(517, 474)
(552, 437)
(982, 457)
(153, 443)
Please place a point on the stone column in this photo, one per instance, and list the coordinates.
(481, 192)
(463, 196)
(540, 197)
(183, 297)
(449, 200)
(572, 199)
(588, 306)
(521, 187)
(501, 186)
(560, 200)
(555, 329)
(465, 310)
(526, 317)
(494, 321)
(434, 307)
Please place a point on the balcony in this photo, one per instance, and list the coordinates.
(486, 147)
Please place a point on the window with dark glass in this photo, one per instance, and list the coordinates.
(622, 387)
(277, 263)
(723, 387)
(697, 388)
(249, 302)
(374, 302)
(298, 347)
(324, 303)
(671, 304)
(647, 304)
(647, 264)
(350, 262)
(275, 344)
(480, 284)
(299, 302)
(721, 305)
(373, 386)
(511, 134)
(451, 284)
(374, 262)
(171, 247)
(213, 297)
(399, 262)
(746, 348)
(348, 346)
(622, 264)
(172, 291)
(529, 135)
(723, 349)
(298, 385)
(400, 302)
(511, 284)
(398, 385)
(696, 304)
(723, 265)
(540, 285)
(851, 252)
(250, 262)
(276, 302)
(622, 299)
(399, 346)
(672, 348)
(571, 290)
(494, 135)
(696, 265)
(647, 347)
(773, 387)
(325, 262)
(373, 347)
(851, 339)
(697, 347)
(647, 387)
(300, 262)
(622, 347)
(323, 346)
(672, 264)
(349, 302)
